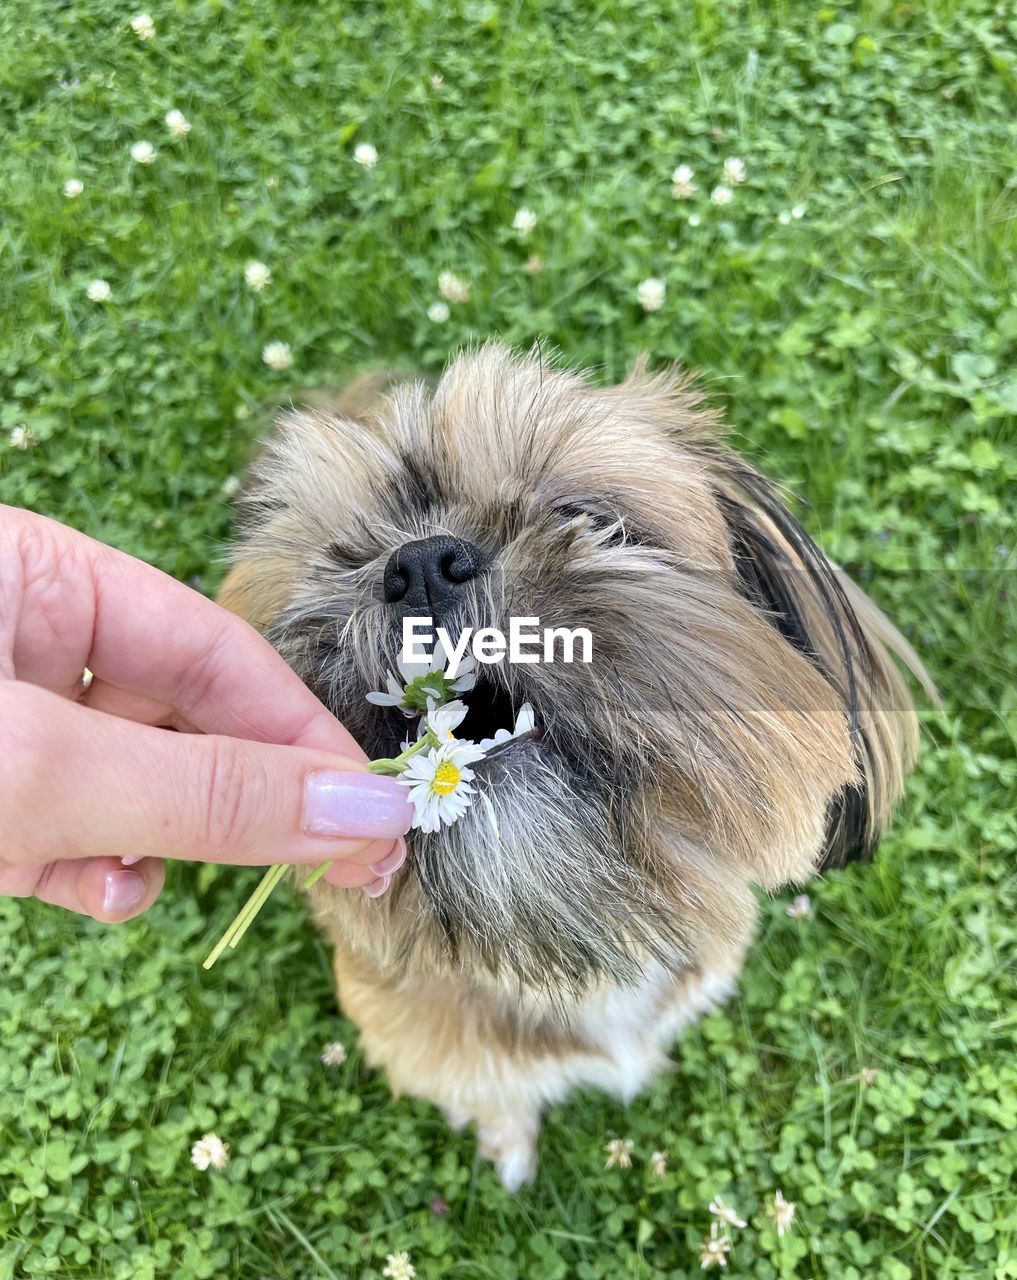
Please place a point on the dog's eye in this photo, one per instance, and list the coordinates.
(609, 523)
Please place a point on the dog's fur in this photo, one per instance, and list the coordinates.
(741, 723)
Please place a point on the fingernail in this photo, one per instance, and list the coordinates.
(393, 862)
(377, 887)
(129, 859)
(355, 804)
(123, 891)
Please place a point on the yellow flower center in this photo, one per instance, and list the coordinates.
(446, 778)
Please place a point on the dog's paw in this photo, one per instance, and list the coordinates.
(512, 1149)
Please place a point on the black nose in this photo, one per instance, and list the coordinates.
(428, 577)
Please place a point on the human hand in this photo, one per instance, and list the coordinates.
(259, 771)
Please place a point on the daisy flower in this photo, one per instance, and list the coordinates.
(73, 188)
(524, 221)
(452, 288)
(726, 1213)
(177, 123)
(782, 1212)
(399, 1267)
(22, 437)
(721, 195)
(277, 355)
(99, 291)
(418, 683)
(651, 294)
(441, 720)
(619, 1153)
(801, 908)
(257, 275)
(439, 782)
(682, 184)
(525, 722)
(143, 153)
(658, 1163)
(734, 170)
(367, 155)
(334, 1054)
(714, 1249)
(143, 26)
(210, 1152)
(438, 312)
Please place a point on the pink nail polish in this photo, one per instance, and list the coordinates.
(392, 862)
(355, 804)
(377, 887)
(122, 891)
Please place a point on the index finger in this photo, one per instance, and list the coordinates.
(142, 631)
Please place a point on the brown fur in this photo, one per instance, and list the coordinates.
(746, 724)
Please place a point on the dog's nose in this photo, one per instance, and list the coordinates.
(429, 576)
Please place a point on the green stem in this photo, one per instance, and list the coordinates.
(391, 766)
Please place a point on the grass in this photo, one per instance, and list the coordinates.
(865, 354)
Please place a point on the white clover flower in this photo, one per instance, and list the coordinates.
(682, 184)
(334, 1054)
(619, 1153)
(210, 1152)
(694, 219)
(257, 275)
(73, 188)
(438, 312)
(534, 265)
(721, 195)
(437, 80)
(399, 1267)
(22, 437)
(734, 170)
(524, 221)
(783, 217)
(143, 26)
(726, 1213)
(782, 1212)
(367, 155)
(143, 153)
(801, 908)
(525, 722)
(230, 485)
(177, 123)
(439, 782)
(658, 1163)
(452, 288)
(277, 355)
(798, 211)
(651, 294)
(99, 291)
(714, 1249)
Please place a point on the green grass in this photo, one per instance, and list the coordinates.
(865, 354)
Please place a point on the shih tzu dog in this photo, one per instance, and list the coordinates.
(742, 722)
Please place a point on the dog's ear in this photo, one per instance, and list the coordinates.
(824, 616)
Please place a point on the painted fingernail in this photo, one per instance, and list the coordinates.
(129, 859)
(377, 887)
(355, 804)
(122, 891)
(391, 863)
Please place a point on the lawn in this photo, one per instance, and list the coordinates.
(853, 308)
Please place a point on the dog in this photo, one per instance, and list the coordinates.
(743, 723)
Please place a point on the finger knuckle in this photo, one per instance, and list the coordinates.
(233, 788)
(27, 753)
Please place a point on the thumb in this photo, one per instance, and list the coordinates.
(78, 783)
